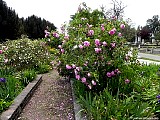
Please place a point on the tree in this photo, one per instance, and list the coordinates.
(154, 24)
(117, 11)
(129, 33)
(34, 27)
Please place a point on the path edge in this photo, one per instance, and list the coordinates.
(13, 112)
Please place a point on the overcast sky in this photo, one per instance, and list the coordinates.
(59, 11)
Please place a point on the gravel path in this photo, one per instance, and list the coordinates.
(51, 101)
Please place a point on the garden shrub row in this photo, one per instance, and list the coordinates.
(20, 61)
(109, 83)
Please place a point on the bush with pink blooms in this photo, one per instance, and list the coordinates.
(107, 80)
(95, 54)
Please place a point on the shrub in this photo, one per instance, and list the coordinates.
(25, 53)
(43, 68)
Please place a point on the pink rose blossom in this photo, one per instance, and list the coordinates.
(116, 70)
(66, 37)
(93, 82)
(112, 73)
(56, 35)
(75, 72)
(5, 60)
(78, 77)
(73, 66)
(97, 42)
(90, 32)
(1, 51)
(89, 74)
(62, 50)
(112, 32)
(119, 34)
(68, 67)
(80, 46)
(86, 43)
(102, 28)
(127, 81)
(59, 46)
(104, 43)
(97, 50)
(109, 74)
(89, 86)
(78, 68)
(113, 45)
(122, 26)
(83, 80)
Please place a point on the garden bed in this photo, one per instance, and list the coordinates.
(21, 100)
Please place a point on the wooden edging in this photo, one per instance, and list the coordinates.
(21, 100)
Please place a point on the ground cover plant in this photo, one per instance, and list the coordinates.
(109, 83)
(20, 61)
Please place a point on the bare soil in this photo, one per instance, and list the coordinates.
(51, 101)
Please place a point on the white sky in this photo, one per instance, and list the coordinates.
(59, 11)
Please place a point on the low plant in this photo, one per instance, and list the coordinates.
(10, 87)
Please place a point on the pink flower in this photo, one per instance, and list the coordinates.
(116, 70)
(89, 86)
(80, 46)
(89, 74)
(112, 32)
(78, 77)
(122, 26)
(78, 68)
(113, 45)
(56, 35)
(59, 62)
(119, 34)
(66, 37)
(62, 50)
(59, 46)
(93, 82)
(90, 32)
(102, 25)
(102, 28)
(127, 81)
(97, 50)
(109, 74)
(83, 80)
(75, 72)
(104, 43)
(73, 66)
(68, 67)
(112, 73)
(86, 43)
(97, 42)
(1, 51)
(5, 60)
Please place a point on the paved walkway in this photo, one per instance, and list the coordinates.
(149, 56)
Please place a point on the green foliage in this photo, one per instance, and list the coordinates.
(8, 91)
(27, 76)
(108, 107)
(43, 68)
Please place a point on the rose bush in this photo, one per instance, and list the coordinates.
(95, 54)
(109, 82)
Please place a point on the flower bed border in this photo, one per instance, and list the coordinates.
(21, 100)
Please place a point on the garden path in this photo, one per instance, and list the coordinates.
(51, 101)
(150, 56)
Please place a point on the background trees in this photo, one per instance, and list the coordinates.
(12, 27)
